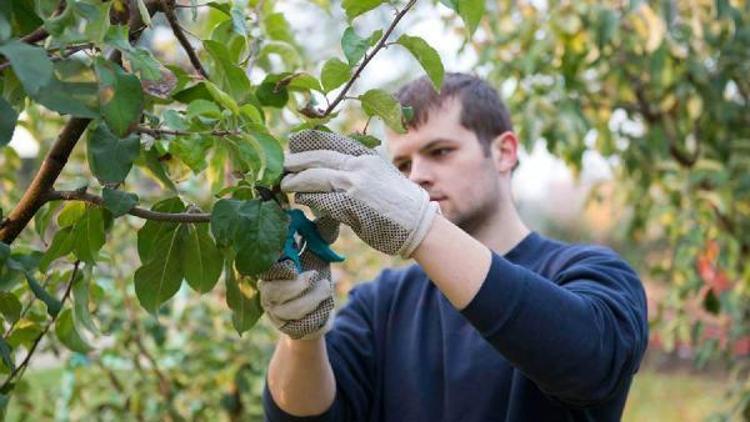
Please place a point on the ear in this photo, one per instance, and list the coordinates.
(504, 151)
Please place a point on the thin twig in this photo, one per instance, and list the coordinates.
(24, 311)
(77, 195)
(369, 57)
(38, 339)
(160, 133)
(168, 6)
(68, 52)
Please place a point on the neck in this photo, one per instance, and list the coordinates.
(503, 231)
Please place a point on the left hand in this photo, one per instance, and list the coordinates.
(340, 177)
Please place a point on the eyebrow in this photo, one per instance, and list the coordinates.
(425, 147)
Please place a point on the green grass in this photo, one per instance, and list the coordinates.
(669, 397)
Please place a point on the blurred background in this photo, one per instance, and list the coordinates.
(635, 124)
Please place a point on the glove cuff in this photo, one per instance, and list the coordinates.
(320, 332)
(426, 216)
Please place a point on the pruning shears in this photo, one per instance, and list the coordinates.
(303, 234)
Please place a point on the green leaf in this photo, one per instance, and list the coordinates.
(471, 11)
(278, 28)
(68, 335)
(161, 276)
(53, 305)
(226, 35)
(273, 157)
(376, 102)
(202, 108)
(120, 97)
(355, 8)
(119, 202)
(111, 158)
(6, 353)
(10, 306)
(244, 155)
(6, 30)
(4, 253)
(8, 118)
(243, 300)
(62, 244)
(71, 213)
(30, 64)
(224, 218)
(24, 333)
(88, 234)
(81, 312)
(260, 235)
(270, 94)
(354, 46)
(192, 150)
(221, 97)
(227, 75)
(304, 82)
(203, 260)
(238, 19)
(153, 231)
(141, 60)
(143, 10)
(150, 160)
(426, 56)
(334, 74)
(285, 51)
(367, 140)
(74, 98)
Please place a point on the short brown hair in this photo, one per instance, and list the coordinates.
(482, 110)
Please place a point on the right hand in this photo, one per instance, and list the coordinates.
(301, 305)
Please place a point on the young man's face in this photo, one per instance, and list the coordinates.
(448, 161)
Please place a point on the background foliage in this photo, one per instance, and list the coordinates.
(187, 136)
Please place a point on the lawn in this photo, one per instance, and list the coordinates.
(677, 396)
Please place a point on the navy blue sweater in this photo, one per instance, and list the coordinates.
(555, 333)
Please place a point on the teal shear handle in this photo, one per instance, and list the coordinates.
(306, 229)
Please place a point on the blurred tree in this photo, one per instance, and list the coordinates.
(661, 90)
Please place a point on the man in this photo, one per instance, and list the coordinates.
(494, 322)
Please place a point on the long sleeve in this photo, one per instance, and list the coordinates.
(579, 334)
(351, 352)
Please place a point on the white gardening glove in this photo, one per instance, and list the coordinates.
(301, 304)
(340, 177)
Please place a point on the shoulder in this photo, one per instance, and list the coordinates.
(562, 257)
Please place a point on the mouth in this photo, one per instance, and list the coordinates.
(437, 198)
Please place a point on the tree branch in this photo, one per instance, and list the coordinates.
(168, 7)
(38, 339)
(76, 195)
(35, 36)
(369, 57)
(54, 162)
(160, 133)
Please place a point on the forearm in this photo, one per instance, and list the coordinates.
(300, 377)
(456, 262)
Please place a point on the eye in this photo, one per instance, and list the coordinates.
(404, 166)
(440, 152)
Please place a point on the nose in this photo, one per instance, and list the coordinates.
(421, 173)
